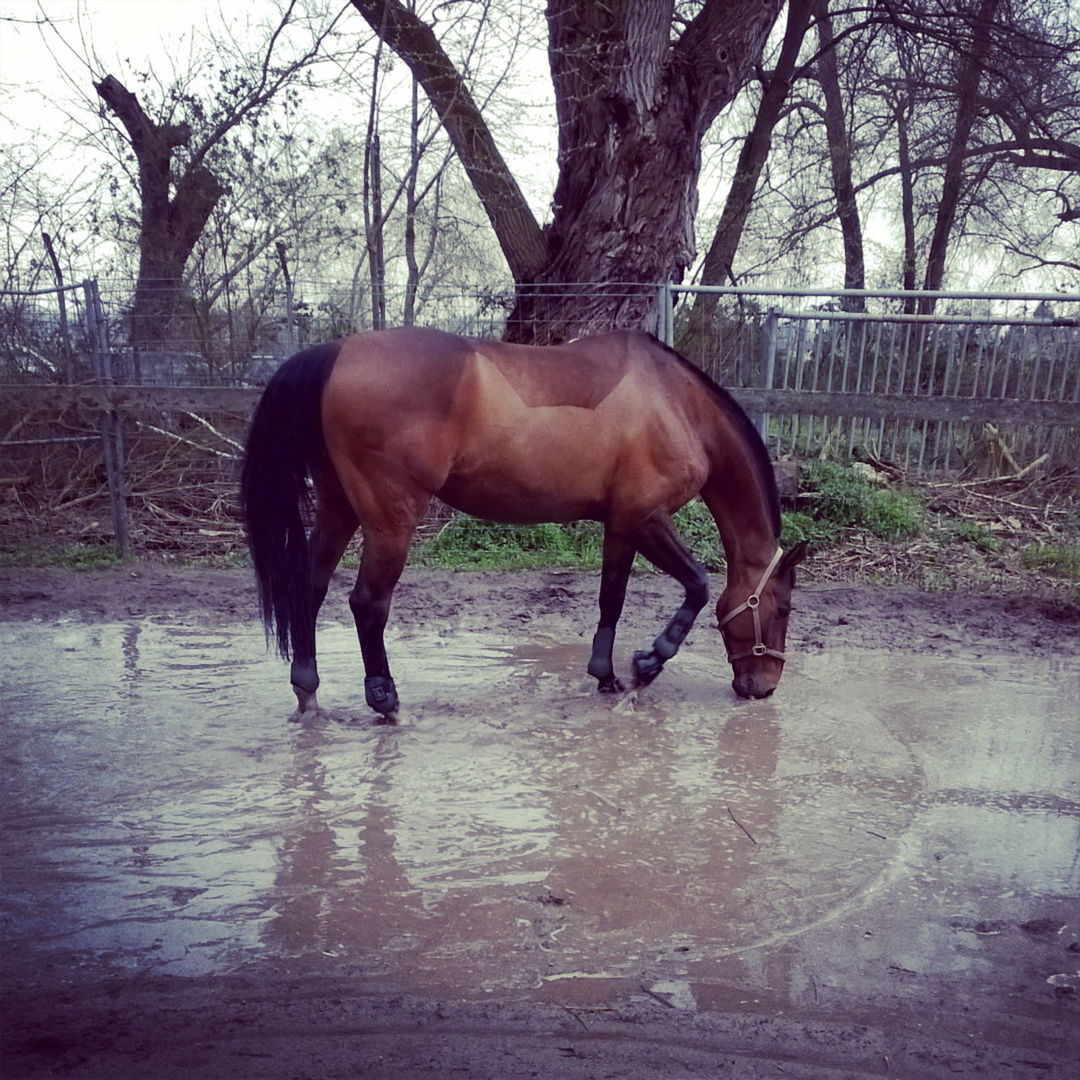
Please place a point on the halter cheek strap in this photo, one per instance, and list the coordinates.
(751, 604)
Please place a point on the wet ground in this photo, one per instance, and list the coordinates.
(874, 872)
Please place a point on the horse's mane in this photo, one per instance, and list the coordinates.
(743, 425)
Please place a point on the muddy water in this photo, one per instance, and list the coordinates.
(518, 833)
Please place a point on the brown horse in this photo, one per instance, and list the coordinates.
(618, 429)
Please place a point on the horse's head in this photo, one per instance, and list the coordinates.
(754, 626)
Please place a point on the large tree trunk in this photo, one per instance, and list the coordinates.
(169, 226)
(633, 106)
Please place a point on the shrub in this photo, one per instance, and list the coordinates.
(844, 499)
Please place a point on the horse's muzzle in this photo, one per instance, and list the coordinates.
(747, 686)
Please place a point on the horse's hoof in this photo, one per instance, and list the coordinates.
(610, 686)
(305, 714)
(647, 665)
(628, 704)
(381, 694)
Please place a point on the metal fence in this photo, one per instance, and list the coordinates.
(152, 434)
(917, 388)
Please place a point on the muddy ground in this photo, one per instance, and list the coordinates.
(564, 602)
(998, 999)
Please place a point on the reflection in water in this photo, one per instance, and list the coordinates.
(518, 832)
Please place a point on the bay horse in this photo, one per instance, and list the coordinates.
(616, 428)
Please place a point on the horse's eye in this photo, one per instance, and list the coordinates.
(783, 612)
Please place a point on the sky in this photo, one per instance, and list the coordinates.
(38, 65)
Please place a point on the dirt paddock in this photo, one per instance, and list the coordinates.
(874, 873)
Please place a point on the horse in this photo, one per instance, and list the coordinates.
(616, 428)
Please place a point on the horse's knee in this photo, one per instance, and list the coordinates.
(697, 590)
(367, 608)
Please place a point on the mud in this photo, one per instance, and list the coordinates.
(874, 873)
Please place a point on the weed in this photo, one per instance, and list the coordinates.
(470, 543)
(1059, 560)
(844, 499)
(976, 534)
(69, 556)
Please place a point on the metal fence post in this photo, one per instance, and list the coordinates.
(112, 432)
(768, 366)
(665, 317)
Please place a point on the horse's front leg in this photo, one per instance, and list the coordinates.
(618, 559)
(660, 544)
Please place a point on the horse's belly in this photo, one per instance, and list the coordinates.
(552, 468)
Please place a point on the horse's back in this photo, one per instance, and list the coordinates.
(518, 432)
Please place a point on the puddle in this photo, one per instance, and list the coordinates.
(517, 834)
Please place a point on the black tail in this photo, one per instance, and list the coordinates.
(283, 445)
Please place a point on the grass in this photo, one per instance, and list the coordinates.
(841, 498)
(1058, 560)
(67, 557)
(467, 543)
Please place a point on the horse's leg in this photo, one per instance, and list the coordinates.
(618, 558)
(380, 567)
(334, 526)
(660, 544)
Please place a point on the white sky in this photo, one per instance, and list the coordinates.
(128, 36)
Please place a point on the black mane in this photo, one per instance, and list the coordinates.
(743, 423)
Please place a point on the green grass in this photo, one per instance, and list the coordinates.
(467, 543)
(1058, 560)
(843, 499)
(974, 533)
(68, 556)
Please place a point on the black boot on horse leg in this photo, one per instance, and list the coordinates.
(660, 544)
(618, 558)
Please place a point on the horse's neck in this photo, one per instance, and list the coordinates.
(741, 508)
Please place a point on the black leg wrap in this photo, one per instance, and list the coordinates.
(600, 661)
(304, 676)
(381, 694)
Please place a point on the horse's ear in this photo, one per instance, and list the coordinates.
(791, 558)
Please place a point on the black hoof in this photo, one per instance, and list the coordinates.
(381, 694)
(647, 665)
(610, 686)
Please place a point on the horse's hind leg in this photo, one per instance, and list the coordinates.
(334, 526)
(385, 552)
(618, 559)
(660, 544)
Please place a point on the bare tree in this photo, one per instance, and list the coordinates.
(636, 89)
(177, 183)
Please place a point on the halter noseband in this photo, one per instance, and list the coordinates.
(751, 604)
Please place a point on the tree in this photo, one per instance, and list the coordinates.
(176, 180)
(776, 85)
(636, 89)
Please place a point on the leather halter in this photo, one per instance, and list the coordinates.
(751, 604)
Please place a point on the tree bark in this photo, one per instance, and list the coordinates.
(633, 106)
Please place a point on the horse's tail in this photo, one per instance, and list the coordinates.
(284, 444)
